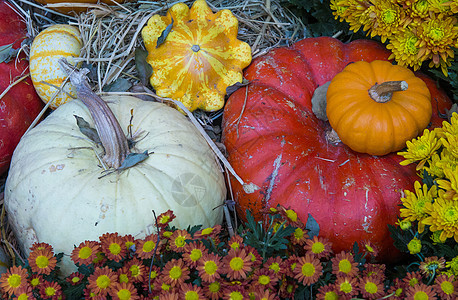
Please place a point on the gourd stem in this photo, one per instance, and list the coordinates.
(383, 92)
(110, 133)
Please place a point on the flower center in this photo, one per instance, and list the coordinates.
(214, 287)
(196, 254)
(123, 278)
(236, 296)
(124, 294)
(210, 267)
(191, 295)
(298, 233)
(389, 16)
(317, 247)
(409, 46)
(148, 246)
(236, 263)
(175, 272)
(180, 242)
(85, 252)
(274, 266)
(371, 287)
(264, 279)
(447, 287)
(308, 269)
(114, 248)
(135, 270)
(164, 220)
(451, 215)
(14, 280)
(207, 231)
(103, 281)
(420, 295)
(292, 215)
(42, 261)
(331, 296)
(50, 291)
(436, 34)
(345, 266)
(346, 287)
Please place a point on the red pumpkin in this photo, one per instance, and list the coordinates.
(20, 105)
(274, 140)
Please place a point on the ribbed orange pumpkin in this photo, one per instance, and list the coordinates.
(376, 107)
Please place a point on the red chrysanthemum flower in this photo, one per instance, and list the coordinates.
(235, 242)
(193, 252)
(290, 216)
(432, 265)
(213, 290)
(299, 237)
(35, 280)
(137, 270)
(346, 286)
(148, 247)
(124, 274)
(178, 240)
(24, 293)
(344, 264)
(50, 290)
(264, 279)
(369, 248)
(210, 232)
(75, 278)
(101, 280)
(290, 265)
(287, 288)
(318, 246)
(41, 246)
(13, 279)
(308, 270)
(235, 292)
(42, 261)
(275, 264)
(175, 272)
(255, 257)
(421, 291)
(375, 270)
(191, 292)
(130, 242)
(152, 283)
(113, 246)
(412, 278)
(371, 287)
(327, 292)
(397, 289)
(169, 295)
(165, 218)
(446, 287)
(209, 267)
(85, 253)
(237, 264)
(123, 291)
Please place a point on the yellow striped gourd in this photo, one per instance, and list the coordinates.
(48, 47)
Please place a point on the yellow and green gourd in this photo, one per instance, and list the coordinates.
(200, 56)
(51, 44)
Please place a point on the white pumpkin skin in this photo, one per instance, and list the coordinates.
(54, 194)
(47, 48)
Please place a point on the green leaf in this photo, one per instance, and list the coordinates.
(6, 52)
(144, 69)
(132, 159)
(87, 130)
(312, 226)
(161, 39)
(119, 85)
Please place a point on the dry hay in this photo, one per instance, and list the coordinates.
(111, 34)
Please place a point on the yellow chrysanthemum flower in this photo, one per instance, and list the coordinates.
(450, 186)
(415, 203)
(420, 149)
(449, 127)
(404, 49)
(454, 6)
(389, 19)
(443, 216)
(450, 143)
(441, 8)
(436, 164)
(417, 10)
(355, 12)
(437, 37)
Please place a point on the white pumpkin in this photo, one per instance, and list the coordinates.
(55, 42)
(54, 192)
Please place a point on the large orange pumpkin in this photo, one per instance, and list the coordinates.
(274, 140)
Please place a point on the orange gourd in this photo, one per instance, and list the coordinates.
(376, 107)
(77, 6)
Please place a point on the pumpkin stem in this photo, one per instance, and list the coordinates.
(383, 92)
(111, 135)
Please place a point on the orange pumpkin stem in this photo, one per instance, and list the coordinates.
(110, 132)
(383, 92)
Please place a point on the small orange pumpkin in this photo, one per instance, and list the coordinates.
(376, 107)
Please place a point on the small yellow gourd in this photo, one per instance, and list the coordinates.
(48, 47)
(200, 56)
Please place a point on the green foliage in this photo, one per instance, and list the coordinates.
(449, 82)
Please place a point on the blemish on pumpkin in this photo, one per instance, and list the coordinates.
(273, 176)
(54, 168)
